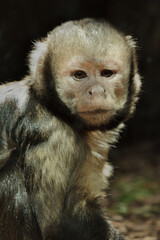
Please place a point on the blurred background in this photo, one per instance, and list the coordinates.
(138, 154)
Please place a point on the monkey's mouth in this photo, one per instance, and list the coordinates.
(96, 117)
(95, 111)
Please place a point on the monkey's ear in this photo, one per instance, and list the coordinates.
(37, 58)
(136, 77)
(131, 41)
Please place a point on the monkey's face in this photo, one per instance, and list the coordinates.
(87, 71)
(95, 89)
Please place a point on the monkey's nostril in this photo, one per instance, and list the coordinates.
(90, 92)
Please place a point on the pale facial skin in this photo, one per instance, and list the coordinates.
(95, 88)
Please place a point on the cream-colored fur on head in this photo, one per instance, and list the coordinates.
(83, 37)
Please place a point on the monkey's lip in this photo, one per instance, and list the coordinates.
(95, 111)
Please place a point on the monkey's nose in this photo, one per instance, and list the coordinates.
(97, 91)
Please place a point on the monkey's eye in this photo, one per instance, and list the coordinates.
(79, 74)
(107, 73)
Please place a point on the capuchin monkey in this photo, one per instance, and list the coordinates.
(56, 128)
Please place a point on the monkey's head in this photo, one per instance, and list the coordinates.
(86, 71)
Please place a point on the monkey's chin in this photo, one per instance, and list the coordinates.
(96, 118)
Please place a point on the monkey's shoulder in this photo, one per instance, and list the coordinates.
(22, 112)
(15, 93)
